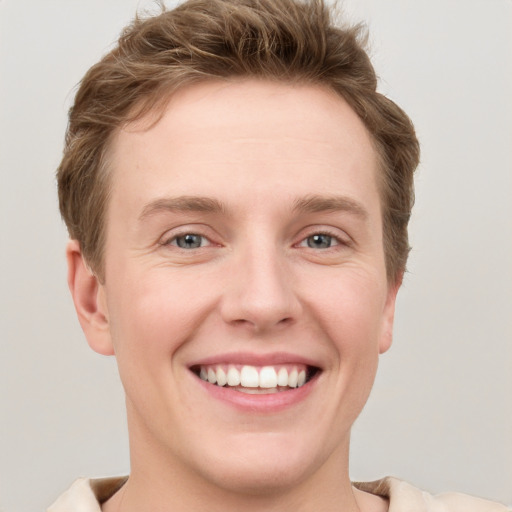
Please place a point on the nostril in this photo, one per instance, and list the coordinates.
(258, 324)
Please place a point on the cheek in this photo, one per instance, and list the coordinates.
(154, 314)
(152, 318)
(351, 310)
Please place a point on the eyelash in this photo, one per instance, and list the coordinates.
(174, 240)
(338, 241)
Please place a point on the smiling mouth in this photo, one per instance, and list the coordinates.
(256, 379)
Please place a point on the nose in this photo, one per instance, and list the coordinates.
(260, 292)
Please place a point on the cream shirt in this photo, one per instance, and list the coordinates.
(85, 495)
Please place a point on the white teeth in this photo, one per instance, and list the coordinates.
(249, 377)
(221, 377)
(268, 377)
(233, 376)
(282, 377)
(293, 378)
(212, 377)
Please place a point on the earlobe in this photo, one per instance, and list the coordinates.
(89, 299)
(389, 315)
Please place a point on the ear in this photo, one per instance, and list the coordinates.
(389, 314)
(89, 298)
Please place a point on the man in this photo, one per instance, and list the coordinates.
(237, 196)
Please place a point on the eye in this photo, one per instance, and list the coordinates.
(189, 241)
(320, 241)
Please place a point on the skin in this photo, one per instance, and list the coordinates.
(284, 163)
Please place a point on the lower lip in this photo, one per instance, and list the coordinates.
(260, 403)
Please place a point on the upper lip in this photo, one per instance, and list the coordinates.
(253, 359)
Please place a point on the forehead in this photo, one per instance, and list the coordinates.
(221, 138)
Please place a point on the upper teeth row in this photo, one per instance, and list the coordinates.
(250, 377)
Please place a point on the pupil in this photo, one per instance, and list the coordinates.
(319, 241)
(189, 241)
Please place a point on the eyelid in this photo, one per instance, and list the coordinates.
(171, 235)
(335, 241)
(175, 238)
(341, 237)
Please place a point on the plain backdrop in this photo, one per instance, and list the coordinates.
(440, 414)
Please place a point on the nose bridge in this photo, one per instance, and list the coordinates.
(261, 291)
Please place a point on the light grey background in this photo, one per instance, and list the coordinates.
(441, 412)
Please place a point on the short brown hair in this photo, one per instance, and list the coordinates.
(285, 40)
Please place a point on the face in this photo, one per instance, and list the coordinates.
(245, 291)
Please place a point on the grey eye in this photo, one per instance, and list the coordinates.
(319, 241)
(189, 241)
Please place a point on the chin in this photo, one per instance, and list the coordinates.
(265, 466)
(264, 478)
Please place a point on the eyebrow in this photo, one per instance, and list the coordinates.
(317, 204)
(182, 204)
(307, 204)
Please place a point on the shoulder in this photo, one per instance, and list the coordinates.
(403, 497)
(86, 494)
